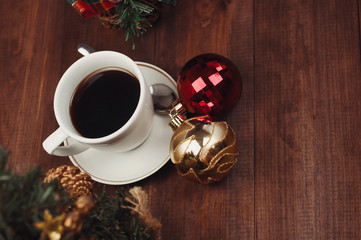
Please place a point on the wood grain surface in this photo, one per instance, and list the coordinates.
(297, 123)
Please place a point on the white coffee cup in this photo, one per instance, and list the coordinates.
(129, 136)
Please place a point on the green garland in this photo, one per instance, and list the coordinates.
(133, 18)
(24, 200)
(111, 221)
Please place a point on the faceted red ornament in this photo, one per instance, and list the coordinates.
(209, 84)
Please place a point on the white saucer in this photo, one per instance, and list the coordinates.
(132, 166)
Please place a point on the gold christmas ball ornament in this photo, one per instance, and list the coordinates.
(203, 150)
(76, 182)
(84, 204)
(73, 221)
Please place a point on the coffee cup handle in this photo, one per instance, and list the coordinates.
(52, 145)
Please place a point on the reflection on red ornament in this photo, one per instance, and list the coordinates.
(209, 84)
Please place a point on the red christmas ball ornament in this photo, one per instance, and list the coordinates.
(209, 84)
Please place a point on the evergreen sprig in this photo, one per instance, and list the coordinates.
(111, 220)
(23, 200)
(132, 18)
(169, 2)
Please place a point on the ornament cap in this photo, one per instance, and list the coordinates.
(177, 114)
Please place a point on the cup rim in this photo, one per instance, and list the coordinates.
(123, 130)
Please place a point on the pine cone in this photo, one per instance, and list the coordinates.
(75, 182)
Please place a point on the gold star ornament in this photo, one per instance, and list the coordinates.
(51, 227)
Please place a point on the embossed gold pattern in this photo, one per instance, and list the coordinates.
(203, 150)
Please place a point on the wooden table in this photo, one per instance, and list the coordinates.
(297, 123)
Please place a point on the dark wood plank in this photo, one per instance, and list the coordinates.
(39, 44)
(30, 57)
(297, 123)
(225, 210)
(307, 89)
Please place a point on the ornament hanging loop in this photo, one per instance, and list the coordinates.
(176, 114)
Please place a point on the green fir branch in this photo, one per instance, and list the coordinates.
(23, 200)
(110, 220)
(132, 18)
(169, 2)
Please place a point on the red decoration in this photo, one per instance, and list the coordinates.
(91, 8)
(209, 84)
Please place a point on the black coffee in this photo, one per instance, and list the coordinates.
(103, 102)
